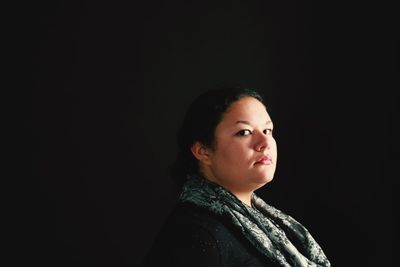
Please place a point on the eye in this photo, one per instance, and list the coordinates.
(267, 131)
(244, 132)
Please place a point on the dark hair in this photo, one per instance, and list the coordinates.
(199, 123)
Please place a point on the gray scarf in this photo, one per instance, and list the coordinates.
(264, 226)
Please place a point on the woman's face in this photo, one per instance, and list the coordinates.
(245, 153)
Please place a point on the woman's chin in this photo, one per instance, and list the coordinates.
(267, 179)
(263, 180)
(266, 176)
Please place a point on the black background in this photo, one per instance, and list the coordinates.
(112, 80)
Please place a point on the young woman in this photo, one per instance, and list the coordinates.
(226, 151)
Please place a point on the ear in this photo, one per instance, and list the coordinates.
(201, 153)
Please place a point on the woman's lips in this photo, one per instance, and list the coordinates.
(264, 160)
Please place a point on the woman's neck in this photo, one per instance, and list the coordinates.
(243, 194)
(245, 197)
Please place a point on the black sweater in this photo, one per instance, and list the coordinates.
(194, 237)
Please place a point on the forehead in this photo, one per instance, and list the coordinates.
(246, 109)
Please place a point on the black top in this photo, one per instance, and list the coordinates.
(194, 237)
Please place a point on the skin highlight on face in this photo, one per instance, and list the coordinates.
(244, 156)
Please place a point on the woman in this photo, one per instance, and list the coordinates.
(226, 151)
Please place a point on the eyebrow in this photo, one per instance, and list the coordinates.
(248, 123)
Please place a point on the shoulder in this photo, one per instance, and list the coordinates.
(187, 215)
(192, 236)
(186, 239)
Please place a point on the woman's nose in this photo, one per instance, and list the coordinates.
(262, 142)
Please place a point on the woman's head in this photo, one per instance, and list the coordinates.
(220, 134)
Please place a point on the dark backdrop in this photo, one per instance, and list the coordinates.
(112, 81)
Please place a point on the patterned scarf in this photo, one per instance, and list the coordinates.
(263, 225)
